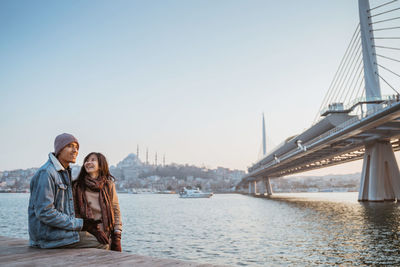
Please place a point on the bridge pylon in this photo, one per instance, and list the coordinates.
(380, 178)
(371, 78)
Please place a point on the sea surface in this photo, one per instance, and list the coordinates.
(301, 229)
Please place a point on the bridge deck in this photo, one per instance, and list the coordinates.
(344, 143)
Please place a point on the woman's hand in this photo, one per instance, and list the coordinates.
(116, 241)
(101, 237)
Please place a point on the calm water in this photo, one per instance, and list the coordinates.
(237, 230)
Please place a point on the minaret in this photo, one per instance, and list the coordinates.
(147, 156)
(263, 136)
(156, 160)
(137, 152)
(164, 160)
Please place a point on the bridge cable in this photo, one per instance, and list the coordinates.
(382, 5)
(343, 73)
(385, 29)
(361, 81)
(352, 85)
(349, 77)
(327, 95)
(337, 74)
(357, 91)
(362, 96)
(393, 59)
(384, 12)
(386, 47)
(385, 20)
(387, 83)
(341, 87)
(342, 68)
(387, 69)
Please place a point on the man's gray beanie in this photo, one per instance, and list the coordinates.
(62, 141)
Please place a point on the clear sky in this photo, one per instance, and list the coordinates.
(188, 79)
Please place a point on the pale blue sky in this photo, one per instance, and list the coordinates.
(186, 78)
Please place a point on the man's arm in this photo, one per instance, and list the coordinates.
(44, 207)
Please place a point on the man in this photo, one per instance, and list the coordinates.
(51, 213)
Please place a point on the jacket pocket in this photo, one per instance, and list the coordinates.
(61, 196)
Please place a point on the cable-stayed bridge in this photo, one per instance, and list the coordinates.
(355, 119)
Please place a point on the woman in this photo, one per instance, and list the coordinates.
(96, 198)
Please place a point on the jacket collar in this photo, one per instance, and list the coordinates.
(56, 163)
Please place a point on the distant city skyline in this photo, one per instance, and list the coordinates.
(188, 79)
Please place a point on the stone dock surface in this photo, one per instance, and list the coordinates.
(16, 252)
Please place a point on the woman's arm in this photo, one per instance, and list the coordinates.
(117, 212)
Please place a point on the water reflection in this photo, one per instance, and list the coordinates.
(382, 221)
(348, 232)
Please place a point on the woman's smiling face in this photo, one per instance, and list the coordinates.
(92, 166)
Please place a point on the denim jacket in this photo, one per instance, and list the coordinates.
(51, 213)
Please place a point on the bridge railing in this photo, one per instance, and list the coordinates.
(389, 101)
(350, 107)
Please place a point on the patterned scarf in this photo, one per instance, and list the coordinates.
(82, 208)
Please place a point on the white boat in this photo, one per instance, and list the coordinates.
(194, 193)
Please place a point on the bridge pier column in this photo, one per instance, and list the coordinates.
(380, 177)
(252, 188)
(261, 187)
(268, 186)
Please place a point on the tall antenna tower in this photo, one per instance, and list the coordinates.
(147, 156)
(156, 159)
(137, 152)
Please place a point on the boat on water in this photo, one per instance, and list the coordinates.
(194, 193)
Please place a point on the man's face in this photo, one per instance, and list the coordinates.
(69, 153)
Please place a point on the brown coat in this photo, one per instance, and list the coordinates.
(93, 201)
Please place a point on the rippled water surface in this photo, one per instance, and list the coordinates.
(288, 229)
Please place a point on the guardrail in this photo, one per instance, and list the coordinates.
(338, 107)
(358, 118)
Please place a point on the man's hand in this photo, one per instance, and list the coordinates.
(90, 224)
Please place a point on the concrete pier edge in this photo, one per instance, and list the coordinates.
(16, 252)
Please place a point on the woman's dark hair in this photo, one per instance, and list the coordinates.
(104, 172)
